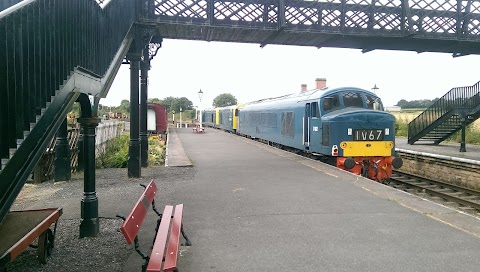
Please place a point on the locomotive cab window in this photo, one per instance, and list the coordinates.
(373, 103)
(315, 112)
(352, 99)
(330, 103)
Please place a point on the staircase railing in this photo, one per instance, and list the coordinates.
(460, 97)
(44, 45)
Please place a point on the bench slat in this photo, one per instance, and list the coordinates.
(134, 221)
(156, 257)
(174, 240)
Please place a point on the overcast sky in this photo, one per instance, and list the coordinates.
(182, 68)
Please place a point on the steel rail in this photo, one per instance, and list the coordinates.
(425, 185)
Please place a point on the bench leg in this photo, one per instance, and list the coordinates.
(188, 243)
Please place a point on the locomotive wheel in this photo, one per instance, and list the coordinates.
(45, 246)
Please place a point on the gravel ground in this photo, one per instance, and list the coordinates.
(117, 195)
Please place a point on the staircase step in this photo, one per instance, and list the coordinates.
(11, 152)
(4, 163)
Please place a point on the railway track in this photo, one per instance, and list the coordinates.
(463, 199)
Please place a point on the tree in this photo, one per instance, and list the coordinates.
(175, 103)
(167, 103)
(124, 106)
(402, 103)
(223, 100)
(156, 100)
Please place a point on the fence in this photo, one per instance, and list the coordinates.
(105, 131)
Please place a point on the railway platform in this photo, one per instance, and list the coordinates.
(450, 150)
(260, 208)
(252, 207)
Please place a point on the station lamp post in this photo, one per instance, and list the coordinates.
(180, 117)
(375, 88)
(200, 94)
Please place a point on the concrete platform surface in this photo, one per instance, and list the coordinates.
(251, 207)
(446, 149)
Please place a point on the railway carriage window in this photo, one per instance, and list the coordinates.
(315, 112)
(331, 103)
(351, 99)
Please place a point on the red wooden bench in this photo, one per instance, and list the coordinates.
(164, 253)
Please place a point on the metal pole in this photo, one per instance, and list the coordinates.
(134, 169)
(62, 154)
(145, 64)
(180, 117)
(90, 225)
(462, 144)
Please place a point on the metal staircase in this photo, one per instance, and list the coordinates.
(449, 114)
(51, 51)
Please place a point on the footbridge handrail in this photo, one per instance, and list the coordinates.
(457, 98)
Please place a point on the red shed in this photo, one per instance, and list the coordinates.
(156, 118)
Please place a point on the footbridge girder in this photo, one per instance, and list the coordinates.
(421, 25)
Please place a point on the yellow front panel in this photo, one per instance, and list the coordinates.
(235, 117)
(234, 123)
(217, 117)
(360, 148)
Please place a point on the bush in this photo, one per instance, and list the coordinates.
(116, 152)
(156, 151)
(472, 135)
(401, 127)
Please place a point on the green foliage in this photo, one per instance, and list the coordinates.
(124, 107)
(401, 127)
(423, 103)
(156, 151)
(224, 99)
(472, 135)
(174, 103)
(116, 153)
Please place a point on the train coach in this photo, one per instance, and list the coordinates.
(346, 127)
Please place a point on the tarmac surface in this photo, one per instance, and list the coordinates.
(251, 207)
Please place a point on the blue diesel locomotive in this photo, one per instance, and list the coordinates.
(346, 127)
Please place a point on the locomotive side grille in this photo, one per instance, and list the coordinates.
(326, 134)
(287, 124)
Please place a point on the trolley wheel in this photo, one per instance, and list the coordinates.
(45, 246)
